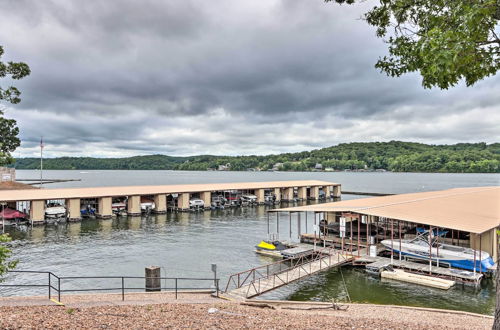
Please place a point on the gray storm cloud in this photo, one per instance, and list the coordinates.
(220, 77)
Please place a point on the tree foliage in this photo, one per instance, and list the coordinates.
(394, 156)
(8, 139)
(14, 70)
(8, 129)
(444, 40)
(6, 263)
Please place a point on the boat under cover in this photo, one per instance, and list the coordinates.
(56, 211)
(10, 214)
(455, 256)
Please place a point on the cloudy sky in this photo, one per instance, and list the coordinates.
(121, 78)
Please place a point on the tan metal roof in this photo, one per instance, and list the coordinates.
(474, 210)
(63, 193)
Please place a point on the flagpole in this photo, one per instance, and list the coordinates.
(41, 161)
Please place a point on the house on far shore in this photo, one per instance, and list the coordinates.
(318, 167)
(226, 167)
(277, 167)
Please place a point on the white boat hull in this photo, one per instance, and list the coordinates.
(454, 256)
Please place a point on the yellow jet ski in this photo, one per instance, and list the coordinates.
(271, 248)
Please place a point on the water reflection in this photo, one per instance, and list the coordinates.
(185, 244)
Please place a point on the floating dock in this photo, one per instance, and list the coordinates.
(457, 275)
(433, 282)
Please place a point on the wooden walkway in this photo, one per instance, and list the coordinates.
(257, 281)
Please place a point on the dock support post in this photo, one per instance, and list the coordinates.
(299, 225)
(183, 201)
(314, 193)
(336, 191)
(73, 209)
(206, 197)
(105, 210)
(37, 212)
(134, 205)
(288, 194)
(268, 229)
(328, 191)
(392, 241)
(260, 196)
(277, 194)
(430, 251)
(306, 222)
(350, 234)
(359, 232)
(480, 256)
(302, 193)
(399, 223)
(277, 225)
(160, 204)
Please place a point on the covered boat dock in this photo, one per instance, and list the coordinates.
(75, 198)
(465, 217)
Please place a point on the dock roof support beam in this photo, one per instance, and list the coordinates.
(183, 201)
(160, 203)
(277, 194)
(206, 197)
(37, 212)
(73, 209)
(314, 192)
(302, 193)
(105, 210)
(134, 205)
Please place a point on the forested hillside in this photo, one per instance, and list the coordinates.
(392, 156)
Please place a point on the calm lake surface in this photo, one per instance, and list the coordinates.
(186, 244)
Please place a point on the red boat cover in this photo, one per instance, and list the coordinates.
(9, 214)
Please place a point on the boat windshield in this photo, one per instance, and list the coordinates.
(420, 240)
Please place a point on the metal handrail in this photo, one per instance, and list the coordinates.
(122, 288)
(318, 254)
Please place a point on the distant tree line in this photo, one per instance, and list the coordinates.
(392, 156)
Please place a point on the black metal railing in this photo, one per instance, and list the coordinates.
(55, 283)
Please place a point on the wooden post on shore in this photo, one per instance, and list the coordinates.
(153, 281)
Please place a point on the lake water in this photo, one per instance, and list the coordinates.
(186, 244)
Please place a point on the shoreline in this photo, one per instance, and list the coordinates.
(202, 310)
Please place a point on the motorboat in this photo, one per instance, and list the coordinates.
(218, 202)
(272, 248)
(269, 199)
(87, 211)
(55, 211)
(233, 199)
(9, 216)
(248, 199)
(452, 255)
(196, 203)
(118, 207)
(147, 205)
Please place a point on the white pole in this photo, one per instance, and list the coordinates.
(41, 161)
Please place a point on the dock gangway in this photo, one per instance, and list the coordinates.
(256, 281)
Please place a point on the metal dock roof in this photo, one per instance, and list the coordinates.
(95, 192)
(474, 210)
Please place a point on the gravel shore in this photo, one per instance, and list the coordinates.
(220, 314)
